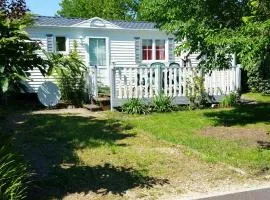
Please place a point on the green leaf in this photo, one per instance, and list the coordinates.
(22, 76)
(2, 68)
(4, 84)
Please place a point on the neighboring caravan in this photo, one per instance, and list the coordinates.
(102, 43)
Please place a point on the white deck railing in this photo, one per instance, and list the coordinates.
(91, 82)
(177, 81)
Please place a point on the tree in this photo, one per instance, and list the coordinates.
(218, 28)
(18, 53)
(107, 9)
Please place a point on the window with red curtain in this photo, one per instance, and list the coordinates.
(147, 48)
(160, 49)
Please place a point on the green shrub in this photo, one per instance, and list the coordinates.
(259, 79)
(195, 91)
(162, 103)
(72, 88)
(70, 75)
(230, 100)
(135, 106)
(13, 175)
(104, 90)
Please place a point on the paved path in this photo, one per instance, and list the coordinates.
(256, 194)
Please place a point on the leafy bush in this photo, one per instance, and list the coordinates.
(104, 90)
(230, 100)
(72, 88)
(259, 79)
(162, 103)
(70, 74)
(195, 91)
(18, 56)
(135, 106)
(13, 175)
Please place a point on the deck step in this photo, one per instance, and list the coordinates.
(103, 102)
(102, 99)
(92, 107)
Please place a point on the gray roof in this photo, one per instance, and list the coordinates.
(134, 24)
(62, 21)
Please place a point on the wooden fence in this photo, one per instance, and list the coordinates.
(176, 80)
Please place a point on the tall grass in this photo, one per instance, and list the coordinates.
(230, 100)
(135, 106)
(163, 103)
(13, 173)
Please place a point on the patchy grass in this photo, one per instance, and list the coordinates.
(118, 156)
(257, 97)
(90, 157)
(184, 128)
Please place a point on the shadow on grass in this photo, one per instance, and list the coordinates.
(49, 143)
(242, 115)
(101, 179)
(263, 145)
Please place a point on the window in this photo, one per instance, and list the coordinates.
(60, 44)
(97, 50)
(153, 50)
(147, 47)
(160, 49)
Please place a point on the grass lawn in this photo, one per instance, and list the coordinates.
(103, 158)
(257, 97)
(81, 155)
(236, 136)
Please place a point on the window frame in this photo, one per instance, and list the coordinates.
(147, 49)
(108, 57)
(154, 50)
(106, 51)
(160, 49)
(66, 44)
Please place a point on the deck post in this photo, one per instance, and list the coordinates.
(91, 82)
(159, 83)
(238, 77)
(95, 81)
(233, 62)
(112, 84)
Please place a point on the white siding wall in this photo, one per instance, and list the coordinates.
(123, 52)
(120, 47)
(36, 78)
(80, 47)
(192, 57)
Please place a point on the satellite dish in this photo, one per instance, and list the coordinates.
(49, 94)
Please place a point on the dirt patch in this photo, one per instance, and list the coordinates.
(72, 111)
(249, 136)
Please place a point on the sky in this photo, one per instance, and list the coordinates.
(43, 7)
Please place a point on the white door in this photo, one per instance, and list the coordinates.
(98, 58)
